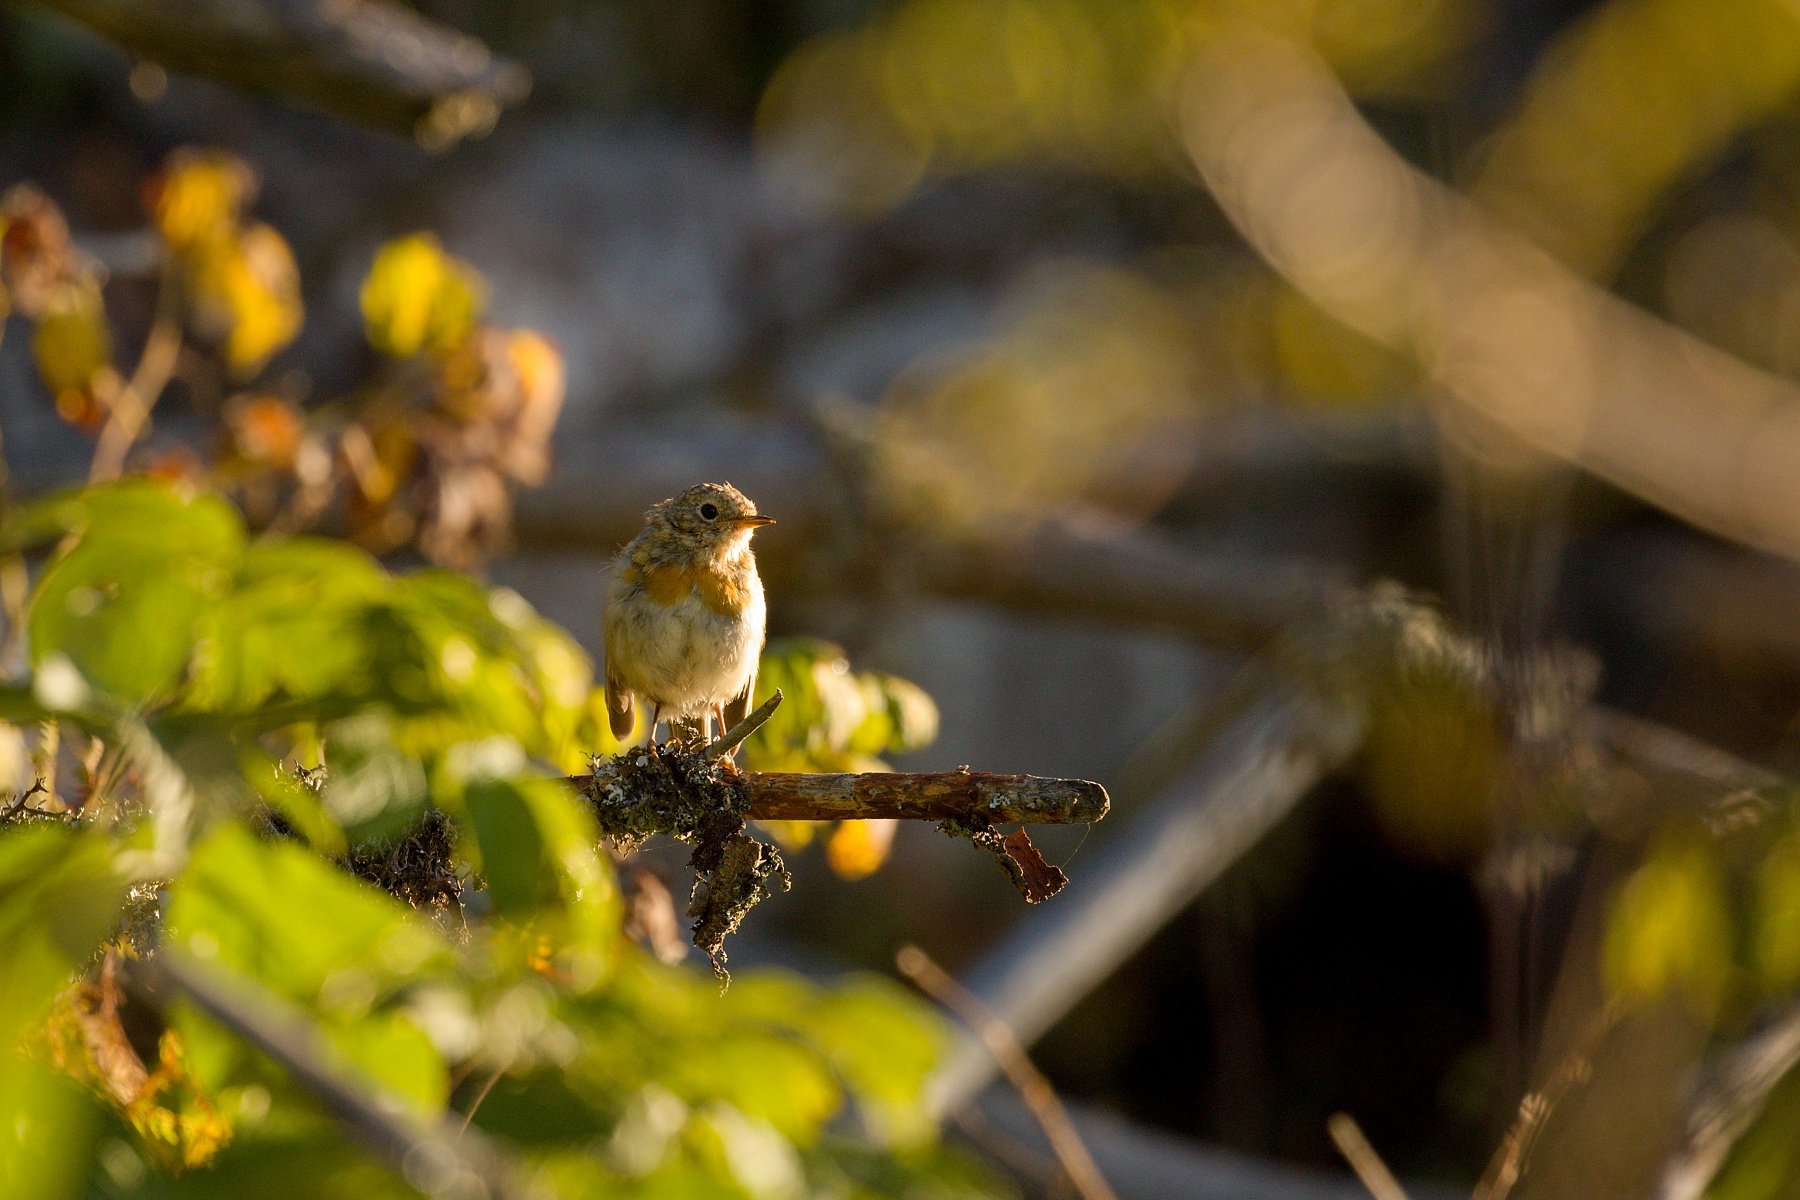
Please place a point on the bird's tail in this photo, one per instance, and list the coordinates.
(618, 709)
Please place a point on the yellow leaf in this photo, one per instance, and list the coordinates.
(793, 835)
(1776, 932)
(72, 342)
(417, 298)
(858, 848)
(1671, 928)
(253, 287)
(199, 196)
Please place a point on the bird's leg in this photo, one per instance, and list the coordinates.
(655, 716)
(718, 717)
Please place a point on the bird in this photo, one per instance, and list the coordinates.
(685, 614)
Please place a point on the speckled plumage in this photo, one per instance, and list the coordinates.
(685, 612)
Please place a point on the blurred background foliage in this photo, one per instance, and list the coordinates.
(342, 393)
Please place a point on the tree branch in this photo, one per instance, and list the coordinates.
(131, 402)
(941, 796)
(371, 61)
(1032, 1086)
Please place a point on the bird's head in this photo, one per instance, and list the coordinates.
(708, 521)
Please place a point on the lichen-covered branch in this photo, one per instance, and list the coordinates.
(692, 791)
(940, 796)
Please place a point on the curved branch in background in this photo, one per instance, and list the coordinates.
(1509, 335)
(369, 60)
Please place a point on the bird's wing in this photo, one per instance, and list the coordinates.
(738, 707)
(618, 709)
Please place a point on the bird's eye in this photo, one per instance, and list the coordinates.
(709, 511)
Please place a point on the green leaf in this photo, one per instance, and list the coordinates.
(291, 920)
(292, 627)
(47, 1126)
(537, 849)
(1765, 1162)
(880, 1041)
(123, 600)
(59, 897)
(140, 510)
(313, 1163)
(309, 932)
(1775, 928)
(513, 857)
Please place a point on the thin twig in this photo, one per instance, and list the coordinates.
(1033, 1088)
(434, 1157)
(131, 406)
(744, 728)
(482, 1094)
(1362, 1158)
(1514, 1153)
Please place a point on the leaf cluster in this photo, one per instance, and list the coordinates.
(201, 678)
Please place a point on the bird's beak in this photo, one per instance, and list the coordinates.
(755, 522)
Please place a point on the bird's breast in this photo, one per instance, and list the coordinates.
(729, 594)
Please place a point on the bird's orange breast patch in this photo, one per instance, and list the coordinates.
(718, 591)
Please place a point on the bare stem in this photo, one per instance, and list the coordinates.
(130, 409)
(744, 728)
(1514, 1153)
(1362, 1158)
(1033, 1088)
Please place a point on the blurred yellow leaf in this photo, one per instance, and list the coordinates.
(793, 835)
(417, 298)
(198, 197)
(72, 343)
(858, 848)
(1775, 933)
(1670, 927)
(252, 287)
(1631, 100)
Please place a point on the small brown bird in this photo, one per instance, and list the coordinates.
(685, 613)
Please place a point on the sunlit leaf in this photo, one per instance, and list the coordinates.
(198, 196)
(416, 298)
(1775, 930)
(59, 896)
(122, 603)
(72, 342)
(47, 1127)
(858, 848)
(309, 932)
(1670, 928)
